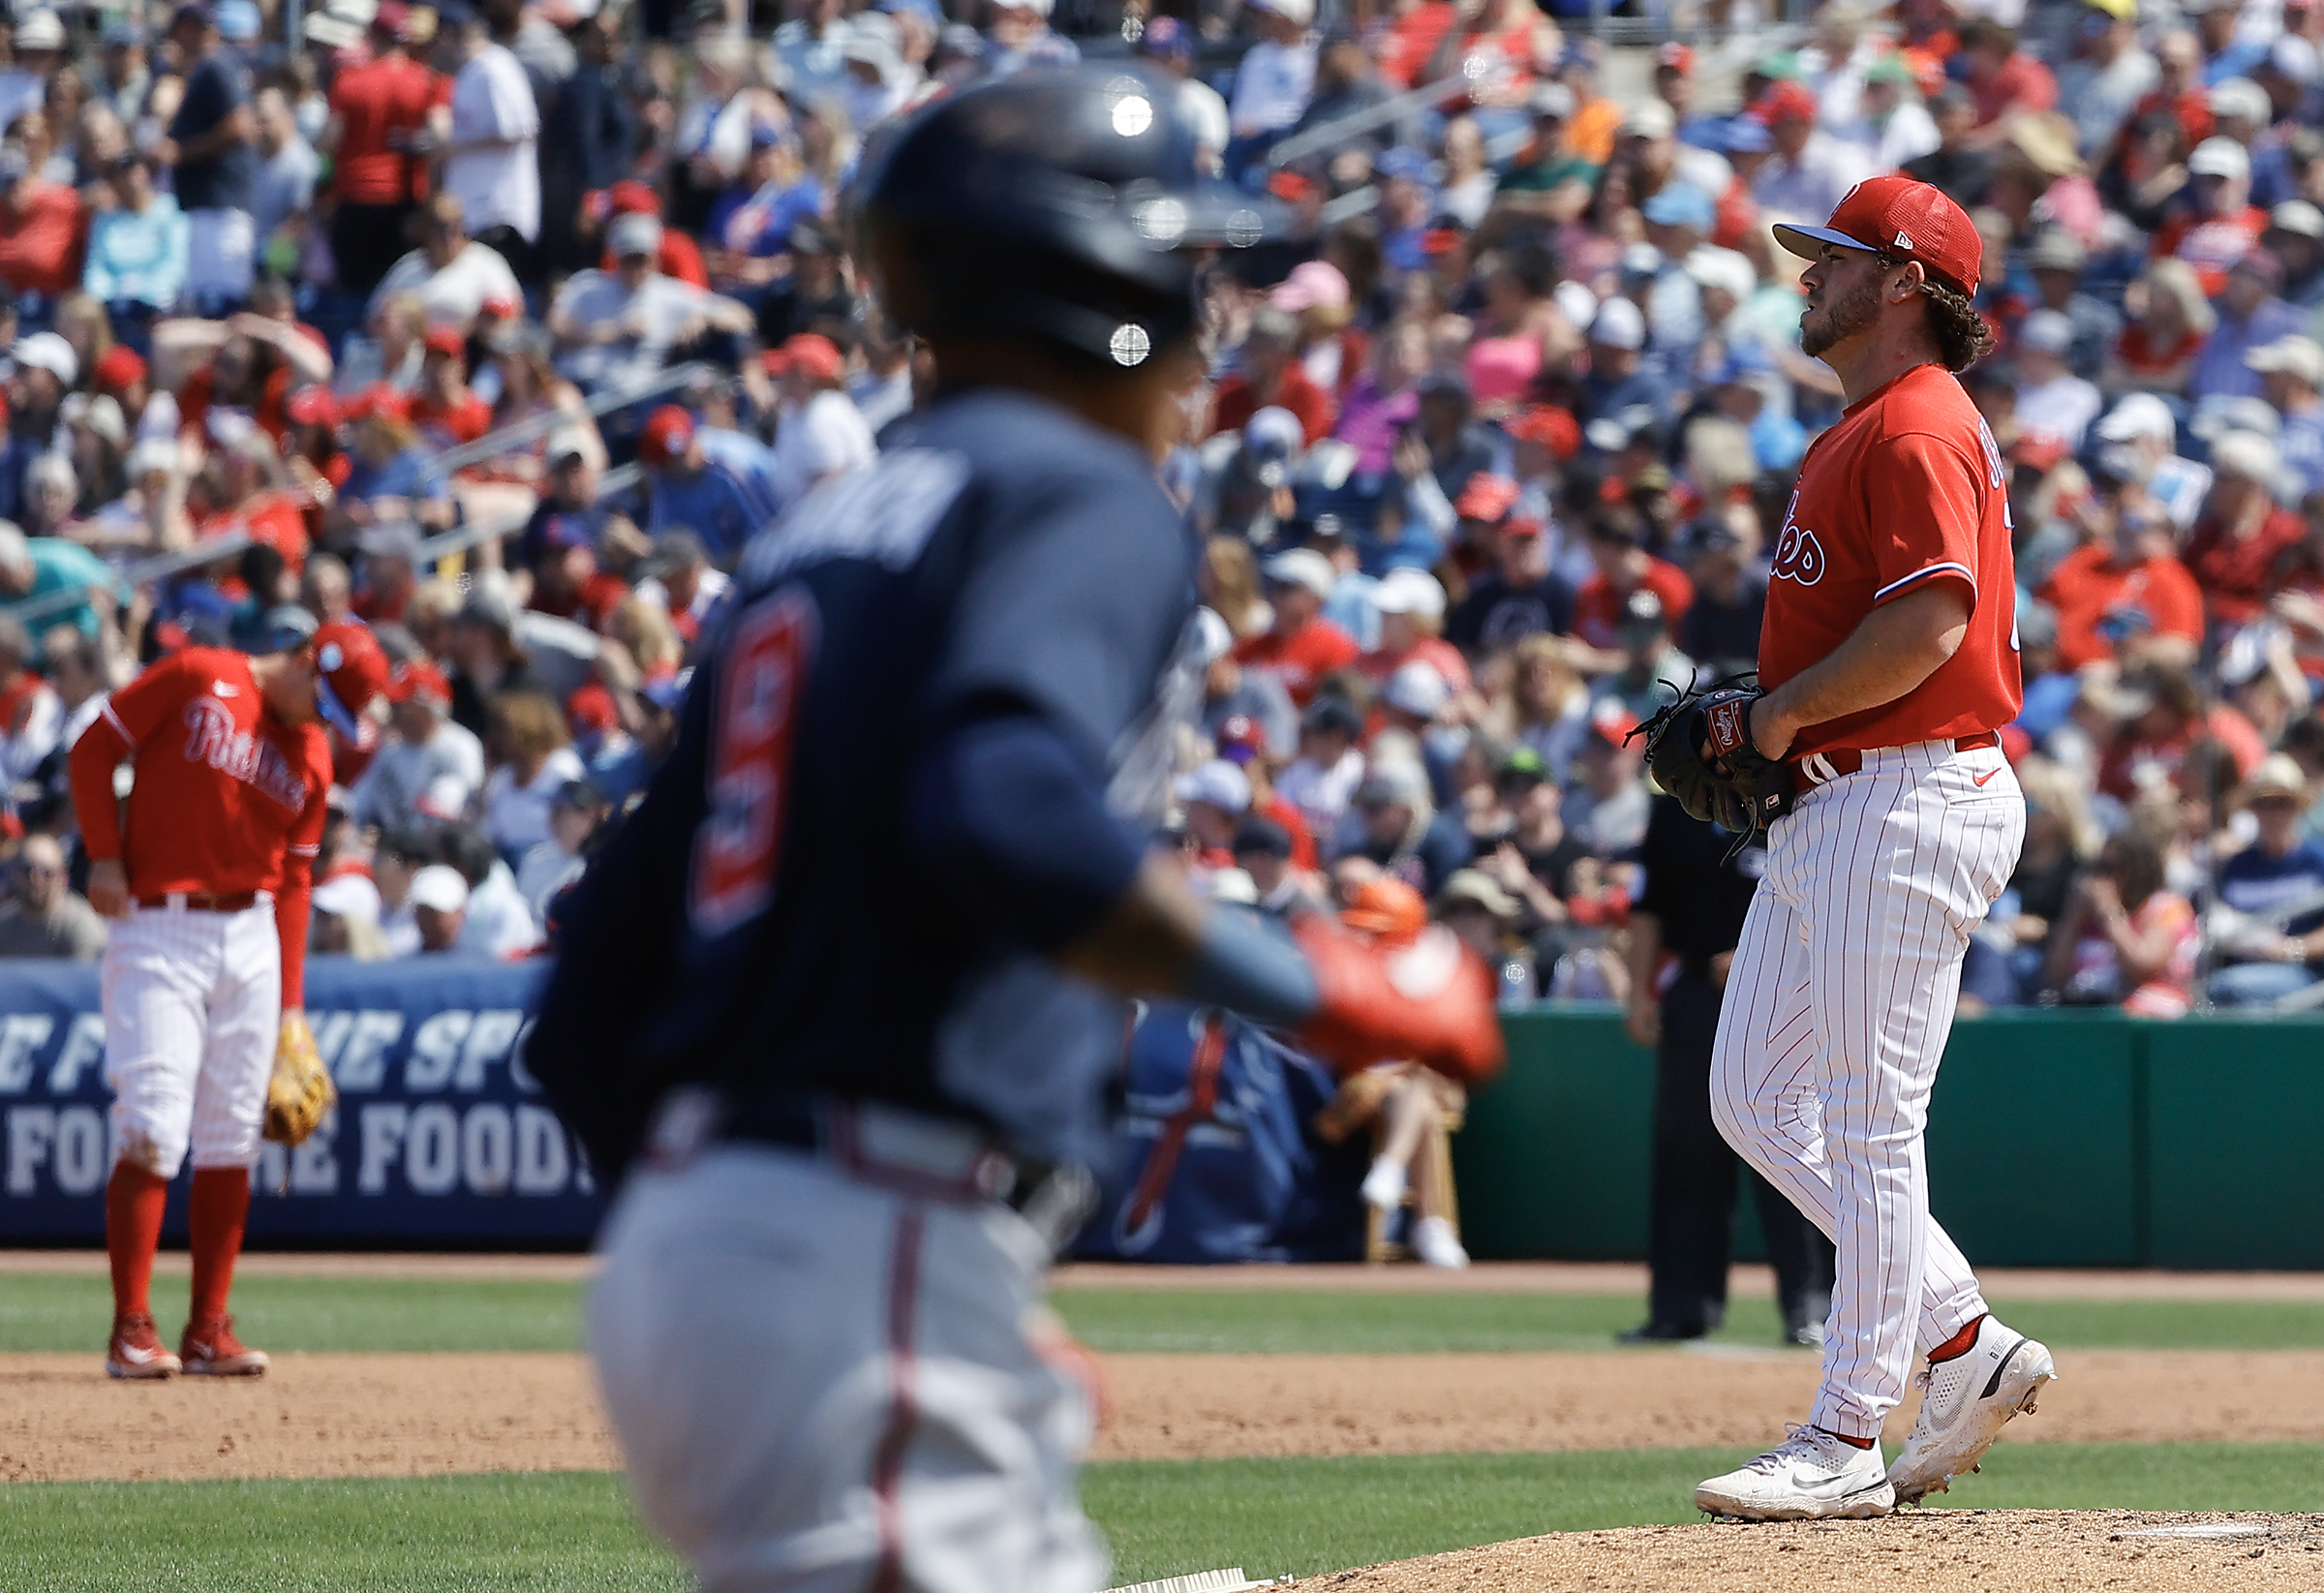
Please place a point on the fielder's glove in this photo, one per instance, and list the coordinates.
(1701, 750)
(301, 1090)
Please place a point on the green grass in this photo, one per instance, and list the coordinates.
(51, 1311)
(573, 1531)
(569, 1532)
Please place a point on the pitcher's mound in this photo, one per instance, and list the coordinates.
(1959, 1551)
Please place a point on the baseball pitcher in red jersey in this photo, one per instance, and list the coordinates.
(1889, 657)
(205, 873)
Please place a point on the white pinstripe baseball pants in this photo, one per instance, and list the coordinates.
(191, 1004)
(1837, 1012)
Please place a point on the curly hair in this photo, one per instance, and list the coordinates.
(1963, 336)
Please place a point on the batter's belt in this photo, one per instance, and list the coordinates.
(894, 1148)
(1820, 768)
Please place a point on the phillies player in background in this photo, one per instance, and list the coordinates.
(205, 873)
(1889, 655)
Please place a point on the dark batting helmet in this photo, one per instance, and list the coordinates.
(1065, 206)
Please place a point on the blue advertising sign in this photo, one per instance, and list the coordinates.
(440, 1136)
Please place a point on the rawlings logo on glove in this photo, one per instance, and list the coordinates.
(1701, 750)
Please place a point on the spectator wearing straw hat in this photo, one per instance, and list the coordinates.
(2273, 944)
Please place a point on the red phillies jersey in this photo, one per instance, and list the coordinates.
(223, 789)
(1908, 488)
(1299, 661)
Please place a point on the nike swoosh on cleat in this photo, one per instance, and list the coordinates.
(138, 1358)
(1979, 779)
(1993, 1384)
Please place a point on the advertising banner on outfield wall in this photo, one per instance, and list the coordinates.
(439, 1137)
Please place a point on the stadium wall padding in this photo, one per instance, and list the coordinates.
(2056, 1139)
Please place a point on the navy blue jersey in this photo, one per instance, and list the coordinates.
(765, 921)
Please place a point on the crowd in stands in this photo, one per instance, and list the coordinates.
(504, 329)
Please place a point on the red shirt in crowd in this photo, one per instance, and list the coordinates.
(1598, 607)
(41, 238)
(2087, 589)
(1302, 660)
(373, 102)
(1908, 489)
(228, 799)
(2210, 244)
(2023, 83)
(462, 422)
(2233, 571)
(1435, 652)
(277, 518)
(1297, 392)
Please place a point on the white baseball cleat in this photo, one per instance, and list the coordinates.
(1964, 1403)
(1810, 1475)
(1435, 1242)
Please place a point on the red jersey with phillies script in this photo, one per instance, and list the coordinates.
(1908, 488)
(229, 800)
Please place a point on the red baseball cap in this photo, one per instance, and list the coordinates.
(810, 352)
(1486, 498)
(419, 680)
(632, 198)
(1678, 57)
(669, 432)
(1904, 219)
(117, 367)
(349, 670)
(1549, 426)
(378, 401)
(313, 406)
(1783, 102)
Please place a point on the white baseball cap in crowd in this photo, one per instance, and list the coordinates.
(48, 352)
(441, 886)
(2298, 217)
(2297, 355)
(1302, 566)
(1302, 11)
(2139, 415)
(2046, 332)
(2246, 456)
(1620, 324)
(633, 234)
(1217, 783)
(1410, 592)
(1417, 689)
(1649, 119)
(2218, 157)
(2241, 97)
(41, 30)
(1230, 885)
(1711, 266)
(2297, 59)
(350, 896)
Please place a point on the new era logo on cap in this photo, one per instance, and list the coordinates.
(1921, 223)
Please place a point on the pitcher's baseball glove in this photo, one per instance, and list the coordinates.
(1701, 750)
(301, 1090)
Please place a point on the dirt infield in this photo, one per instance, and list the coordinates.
(1990, 1552)
(411, 1415)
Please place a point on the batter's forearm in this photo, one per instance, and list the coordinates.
(1892, 651)
(1645, 953)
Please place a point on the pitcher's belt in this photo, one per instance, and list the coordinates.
(1820, 768)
